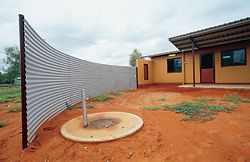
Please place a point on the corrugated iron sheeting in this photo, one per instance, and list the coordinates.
(223, 34)
(54, 79)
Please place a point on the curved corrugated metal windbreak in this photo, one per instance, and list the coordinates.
(54, 79)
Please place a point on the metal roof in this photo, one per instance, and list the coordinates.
(231, 32)
(163, 54)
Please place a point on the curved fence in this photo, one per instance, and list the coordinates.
(52, 79)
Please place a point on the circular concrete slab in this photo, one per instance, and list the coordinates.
(126, 125)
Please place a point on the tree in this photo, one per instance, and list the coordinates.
(12, 62)
(133, 56)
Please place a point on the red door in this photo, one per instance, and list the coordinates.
(207, 68)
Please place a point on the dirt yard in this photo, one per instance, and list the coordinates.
(164, 136)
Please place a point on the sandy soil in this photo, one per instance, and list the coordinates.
(164, 137)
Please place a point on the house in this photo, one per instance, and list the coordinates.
(17, 81)
(219, 54)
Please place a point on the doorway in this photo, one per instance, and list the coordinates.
(145, 71)
(207, 68)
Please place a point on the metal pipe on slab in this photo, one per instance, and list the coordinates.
(84, 109)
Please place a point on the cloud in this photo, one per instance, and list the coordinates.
(108, 31)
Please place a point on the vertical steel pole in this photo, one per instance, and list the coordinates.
(23, 82)
(193, 64)
(184, 64)
(84, 110)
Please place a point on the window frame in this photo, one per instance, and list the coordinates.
(234, 50)
(174, 71)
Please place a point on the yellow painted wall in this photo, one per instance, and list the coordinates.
(161, 74)
(230, 74)
(140, 65)
(189, 68)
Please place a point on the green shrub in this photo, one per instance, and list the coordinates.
(167, 107)
(189, 108)
(194, 110)
(9, 93)
(14, 107)
(90, 107)
(205, 99)
(117, 93)
(72, 107)
(216, 108)
(235, 98)
(245, 100)
(101, 98)
(2, 124)
(18, 100)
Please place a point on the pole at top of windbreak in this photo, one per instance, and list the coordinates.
(23, 82)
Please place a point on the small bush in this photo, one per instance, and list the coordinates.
(189, 108)
(194, 111)
(18, 100)
(118, 93)
(205, 99)
(72, 107)
(14, 108)
(152, 108)
(2, 124)
(90, 107)
(216, 108)
(9, 93)
(167, 107)
(245, 100)
(101, 98)
(235, 98)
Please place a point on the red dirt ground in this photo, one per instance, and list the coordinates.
(164, 137)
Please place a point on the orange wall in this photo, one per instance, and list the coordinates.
(161, 74)
(230, 74)
(189, 68)
(140, 65)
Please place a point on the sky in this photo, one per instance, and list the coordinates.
(106, 31)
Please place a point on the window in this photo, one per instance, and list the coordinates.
(145, 71)
(233, 57)
(174, 65)
(207, 61)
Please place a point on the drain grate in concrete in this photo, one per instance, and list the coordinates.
(103, 123)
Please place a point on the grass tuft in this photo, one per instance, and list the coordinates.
(189, 108)
(101, 98)
(167, 107)
(9, 93)
(18, 100)
(194, 110)
(2, 124)
(72, 107)
(117, 93)
(90, 107)
(152, 108)
(235, 98)
(204, 99)
(200, 111)
(14, 107)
